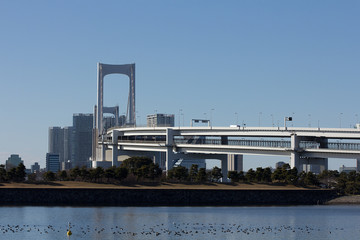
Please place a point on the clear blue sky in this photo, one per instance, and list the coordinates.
(280, 58)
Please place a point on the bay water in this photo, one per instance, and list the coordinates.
(293, 222)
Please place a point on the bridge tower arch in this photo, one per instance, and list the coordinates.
(106, 69)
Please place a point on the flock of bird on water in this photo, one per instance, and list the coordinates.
(174, 230)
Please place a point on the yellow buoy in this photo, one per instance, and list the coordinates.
(69, 233)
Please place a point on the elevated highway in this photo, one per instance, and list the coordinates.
(305, 146)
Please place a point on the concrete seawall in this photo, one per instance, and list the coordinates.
(160, 197)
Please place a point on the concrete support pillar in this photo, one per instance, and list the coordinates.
(103, 152)
(295, 156)
(169, 158)
(324, 165)
(235, 162)
(115, 152)
(169, 149)
(316, 165)
(115, 155)
(324, 161)
(156, 157)
(162, 163)
(160, 158)
(224, 168)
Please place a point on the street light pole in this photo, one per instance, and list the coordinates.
(211, 113)
(180, 111)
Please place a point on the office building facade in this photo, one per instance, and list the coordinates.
(35, 168)
(82, 145)
(52, 162)
(160, 120)
(60, 141)
(13, 161)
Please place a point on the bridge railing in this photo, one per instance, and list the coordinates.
(233, 142)
(344, 146)
(250, 143)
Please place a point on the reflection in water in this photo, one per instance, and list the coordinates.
(304, 222)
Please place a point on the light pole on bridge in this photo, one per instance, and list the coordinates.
(180, 112)
(211, 114)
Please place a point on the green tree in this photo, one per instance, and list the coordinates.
(84, 173)
(179, 173)
(193, 172)
(11, 174)
(121, 173)
(266, 175)
(233, 176)
(154, 171)
(259, 174)
(149, 171)
(242, 176)
(110, 173)
(277, 175)
(62, 175)
(310, 179)
(96, 174)
(351, 176)
(20, 173)
(291, 176)
(32, 177)
(49, 176)
(328, 178)
(134, 163)
(75, 173)
(216, 174)
(202, 175)
(352, 188)
(3, 175)
(250, 175)
(142, 172)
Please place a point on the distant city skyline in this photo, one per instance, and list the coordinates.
(241, 62)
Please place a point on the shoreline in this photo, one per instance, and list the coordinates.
(161, 197)
(345, 200)
(166, 194)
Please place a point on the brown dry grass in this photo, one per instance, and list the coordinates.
(220, 186)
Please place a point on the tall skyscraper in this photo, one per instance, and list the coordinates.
(60, 142)
(82, 145)
(56, 141)
(68, 144)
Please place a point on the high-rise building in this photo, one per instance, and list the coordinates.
(56, 141)
(60, 142)
(35, 168)
(13, 161)
(160, 120)
(82, 145)
(68, 144)
(52, 162)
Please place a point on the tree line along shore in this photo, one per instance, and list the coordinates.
(142, 170)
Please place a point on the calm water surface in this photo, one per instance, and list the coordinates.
(299, 222)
